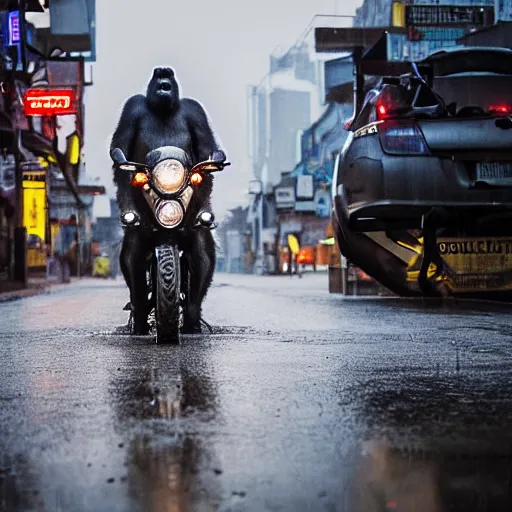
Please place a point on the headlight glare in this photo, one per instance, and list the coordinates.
(169, 176)
(169, 214)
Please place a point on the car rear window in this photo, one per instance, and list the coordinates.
(484, 90)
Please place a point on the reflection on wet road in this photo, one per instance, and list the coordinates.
(298, 401)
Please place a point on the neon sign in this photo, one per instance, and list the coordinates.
(49, 102)
(14, 28)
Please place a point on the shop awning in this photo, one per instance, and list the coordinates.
(36, 143)
(83, 190)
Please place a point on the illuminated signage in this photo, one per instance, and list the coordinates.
(449, 15)
(49, 102)
(34, 200)
(14, 28)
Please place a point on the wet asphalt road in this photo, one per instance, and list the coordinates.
(300, 400)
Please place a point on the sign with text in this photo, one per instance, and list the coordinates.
(49, 102)
(34, 200)
(285, 197)
(14, 28)
(449, 15)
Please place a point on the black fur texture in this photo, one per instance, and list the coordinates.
(162, 118)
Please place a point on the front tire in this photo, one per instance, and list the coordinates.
(167, 294)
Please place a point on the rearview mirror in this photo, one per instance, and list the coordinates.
(118, 156)
(218, 157)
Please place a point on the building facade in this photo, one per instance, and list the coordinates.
(431, 24)
(43, 50)
(282, 110)
(280, 107)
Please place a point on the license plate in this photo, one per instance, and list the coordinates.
(477, 263)
(494, 173)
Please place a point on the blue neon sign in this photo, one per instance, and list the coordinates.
(14, 28)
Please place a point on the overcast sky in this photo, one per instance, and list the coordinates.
(217, 49)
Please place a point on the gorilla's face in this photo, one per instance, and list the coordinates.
(163, 93)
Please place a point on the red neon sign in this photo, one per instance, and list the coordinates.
(49, 102)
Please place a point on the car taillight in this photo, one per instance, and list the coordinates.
(402, 139)
(502, 109)
(382, 111)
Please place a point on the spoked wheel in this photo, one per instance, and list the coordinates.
(167, 294)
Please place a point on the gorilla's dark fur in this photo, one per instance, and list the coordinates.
(161, 118)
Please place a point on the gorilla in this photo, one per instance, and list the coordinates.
(162, 118)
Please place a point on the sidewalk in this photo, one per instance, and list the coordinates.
(12, 290)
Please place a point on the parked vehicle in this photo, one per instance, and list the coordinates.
(423, 186)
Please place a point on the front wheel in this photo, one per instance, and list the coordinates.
(167, 294)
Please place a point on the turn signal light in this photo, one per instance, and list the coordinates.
(196, 179)
(140, 179)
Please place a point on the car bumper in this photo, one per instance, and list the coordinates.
(378, 214)
(383, 189)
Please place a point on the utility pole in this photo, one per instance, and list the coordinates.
(20, 232)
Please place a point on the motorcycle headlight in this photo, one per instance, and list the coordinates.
(169, 176)
(169, 214)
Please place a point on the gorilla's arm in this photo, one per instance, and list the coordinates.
(124, 137)
(126, 130)
(203, 139)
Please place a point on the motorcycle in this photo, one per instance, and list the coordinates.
(167, 184)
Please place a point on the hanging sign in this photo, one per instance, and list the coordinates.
(49, 102)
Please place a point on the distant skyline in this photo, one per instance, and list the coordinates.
(217, 50)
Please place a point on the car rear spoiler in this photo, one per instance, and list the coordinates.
(374, 62)
(369, 48)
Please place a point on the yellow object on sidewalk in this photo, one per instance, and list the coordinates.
(101, 267)
(293, 244)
